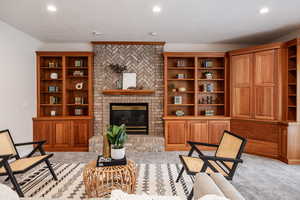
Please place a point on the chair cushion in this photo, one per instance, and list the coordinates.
(195, 165)
(225, 186)
(23, 163)
(204, 185)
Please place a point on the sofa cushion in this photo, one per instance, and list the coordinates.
(204, 185)
(225, 186)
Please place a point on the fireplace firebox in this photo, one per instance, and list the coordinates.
(133, 115)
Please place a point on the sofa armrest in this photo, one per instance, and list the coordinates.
(226, 187)
(204, 185)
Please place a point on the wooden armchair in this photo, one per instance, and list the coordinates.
(9, 151)
(225, 161)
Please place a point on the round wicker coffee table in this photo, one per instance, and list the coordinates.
(100, 181)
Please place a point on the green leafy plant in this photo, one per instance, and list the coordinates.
(117, 136)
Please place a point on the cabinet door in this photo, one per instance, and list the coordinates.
(198, 131)
(175, 133)
(80, 133)
(265, 70)
(62, 133)
(216, 129)
(241, 68)
(43, 130)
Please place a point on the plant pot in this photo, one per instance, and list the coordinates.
(117, 153)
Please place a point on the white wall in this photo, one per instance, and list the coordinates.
(185, 47)
(17, 82)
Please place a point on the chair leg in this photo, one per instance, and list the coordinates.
(51, 169)
(15, 183)
(7, 179)
(180, 174)
(191, 195)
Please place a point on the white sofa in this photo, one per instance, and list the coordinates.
(215, 184)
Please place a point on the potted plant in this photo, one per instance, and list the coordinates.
(117, 137)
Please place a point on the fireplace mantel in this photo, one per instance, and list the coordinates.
(128, 92)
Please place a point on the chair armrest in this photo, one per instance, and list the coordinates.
(31, 143)
(215, 158)
(5, 157)
(201, 143)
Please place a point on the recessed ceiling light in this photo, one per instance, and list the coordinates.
(264, 10)
(156, 9)
(51, 8)
(153, 33)
(96, 34)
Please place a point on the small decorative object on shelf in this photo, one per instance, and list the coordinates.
(179, 113)
(117, 137)
(53, 100)
(181, 63)
(177, 99)
(119, 84)
(209, 99)
(180, 76)
(54, 75)
(52, 64)
(209, 112)
(78, 63)
(209, 87)
(78, 73)
(79, 100)
(53, 113)
(118, 68)
(182, 89)
(78, 111)
(172, 87)
(52, 88)
(79, 86)
(207, 63)
(208, 75)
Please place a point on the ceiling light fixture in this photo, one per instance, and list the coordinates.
(51, 8)
(264, 10)
(97, 34)
(156, 9)
(153, 33)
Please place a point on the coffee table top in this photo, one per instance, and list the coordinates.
(91, 166)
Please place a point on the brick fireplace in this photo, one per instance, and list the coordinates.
(144, 60)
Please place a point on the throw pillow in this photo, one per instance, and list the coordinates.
(213, 197)
(7, 193)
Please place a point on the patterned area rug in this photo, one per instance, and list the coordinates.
(154, 179)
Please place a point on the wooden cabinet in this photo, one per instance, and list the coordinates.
(216, 129)
(264, 85)
(63, 134)
(43, 131)
(175, 135)
(178, 132)
(81, 130)
(198, 131)
(241, 84)
(254, 84)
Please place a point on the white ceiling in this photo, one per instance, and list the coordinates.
(188, 21)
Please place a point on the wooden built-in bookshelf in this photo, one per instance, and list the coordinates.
(292, 80)
(195, 97)
(64, 111)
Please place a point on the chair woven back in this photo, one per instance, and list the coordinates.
(230, 147)
(6, 144)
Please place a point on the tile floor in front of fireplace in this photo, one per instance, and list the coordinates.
(258, 178)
